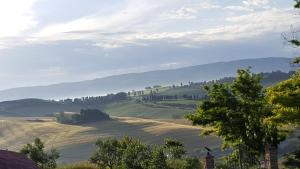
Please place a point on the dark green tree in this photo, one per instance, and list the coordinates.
(158, 159)
(108, 153)
(174, 148)
(36, 153)
(137, 155)
(237, 112)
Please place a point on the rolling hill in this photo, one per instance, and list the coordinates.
(76, 142)
(123, 105)
(130, 81)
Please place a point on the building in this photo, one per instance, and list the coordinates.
(13, 160)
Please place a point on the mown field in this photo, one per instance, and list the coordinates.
(75, 143)
(161, 110)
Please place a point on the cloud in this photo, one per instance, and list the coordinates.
(256, 2)
(83, 28)
(16, 17)
(181, 13)
(250, 25)
(238, 8)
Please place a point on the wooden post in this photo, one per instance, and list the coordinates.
(271, 157)
(209, 162)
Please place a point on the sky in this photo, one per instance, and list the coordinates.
(51, 41)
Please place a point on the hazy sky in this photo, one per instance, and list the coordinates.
(49, 41)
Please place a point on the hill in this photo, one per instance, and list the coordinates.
(121, 104)
(76, 142)
(130, 81)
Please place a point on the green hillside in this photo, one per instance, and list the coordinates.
(181, 101)
(133, 108)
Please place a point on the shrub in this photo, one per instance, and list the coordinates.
(82, 165)
(35, 151)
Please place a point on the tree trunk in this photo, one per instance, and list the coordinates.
(271, 157)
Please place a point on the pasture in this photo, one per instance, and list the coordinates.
(76, 143)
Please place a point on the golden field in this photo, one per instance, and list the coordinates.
(76, 142)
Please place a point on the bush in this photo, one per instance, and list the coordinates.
(83, 165)
(129, 153)
(85, 116)
(35, 151)
(185, 163)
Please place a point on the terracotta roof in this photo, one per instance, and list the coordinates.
(13, 160)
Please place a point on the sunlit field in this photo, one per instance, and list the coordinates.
(75, 143)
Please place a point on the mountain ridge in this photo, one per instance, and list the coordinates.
(129, 81)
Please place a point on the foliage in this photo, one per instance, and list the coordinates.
(108, 153)
(174, 148)
(85, 116)
(297, 5)
(83, 165)
(136, 155)
(96, 100)
(37, 154)
(188, 163)
(129, 153)
(158, 160)
(285, 99)
(237, 112)
(126, 154)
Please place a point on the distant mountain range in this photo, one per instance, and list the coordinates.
(126, 82)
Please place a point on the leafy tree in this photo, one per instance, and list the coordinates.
(285, 96)
(136, 156)
(285, 99)
(129, 153)
(158, 159)
(108, 153)
(193, 163)
(237, 112)
(174, 148)
(37, 154)
(185, 163)
(126, 153)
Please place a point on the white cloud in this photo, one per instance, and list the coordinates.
(256, 2)
(139, 22)
(16, 17)
(242, 26)
(85, 27)
(238, 8)
(181, 13)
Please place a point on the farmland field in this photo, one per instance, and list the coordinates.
(146, 110)
(75, 143)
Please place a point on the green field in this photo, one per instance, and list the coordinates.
(182, 91)
(133, 108)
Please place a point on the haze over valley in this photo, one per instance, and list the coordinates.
(146, 84)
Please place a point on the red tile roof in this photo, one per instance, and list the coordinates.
(13, 160)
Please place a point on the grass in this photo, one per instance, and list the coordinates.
(183, 102)
(82, 165)
(146, 110)
(182, 91)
